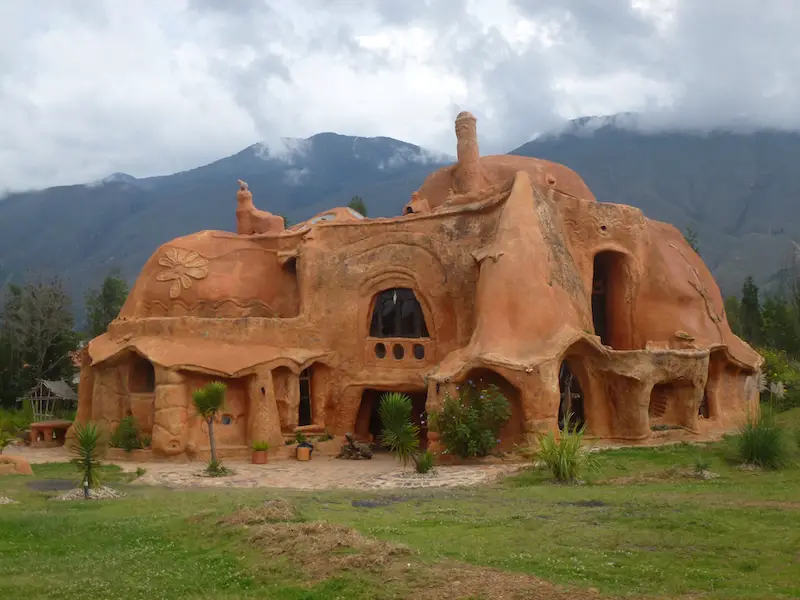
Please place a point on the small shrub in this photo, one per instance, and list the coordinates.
(5, 440)
(216, 469)
(126, 435)
(399, 434)
(87, 448)
(260, 446)
(12, 421)
(765, 443)
(147, 441)
(300, 438)
(140, 471)
(325, 436)
(701, 463)
(288, 442)
(425, 462)
(566, 458)
(469, 425)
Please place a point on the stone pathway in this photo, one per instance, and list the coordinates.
(320, 473)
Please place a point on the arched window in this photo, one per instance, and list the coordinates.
(397, 313)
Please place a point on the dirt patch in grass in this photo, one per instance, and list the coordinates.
(271, 511)
(670, 474)
(452, 581)
(323, 548)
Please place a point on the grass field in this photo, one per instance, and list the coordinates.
(645, 527)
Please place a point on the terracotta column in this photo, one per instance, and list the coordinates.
(170, 421)
(319, 395)
(349, 403)
(263, 420)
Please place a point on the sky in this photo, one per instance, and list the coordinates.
(149, 87)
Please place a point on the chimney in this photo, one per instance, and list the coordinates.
(468, 174)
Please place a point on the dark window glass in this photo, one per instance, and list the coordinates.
(397, 313)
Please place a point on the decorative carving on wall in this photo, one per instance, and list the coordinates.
(182, 266)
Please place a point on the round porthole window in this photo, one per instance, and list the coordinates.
(380, 350)
(227, 419)
(398, 352)
(419, 351)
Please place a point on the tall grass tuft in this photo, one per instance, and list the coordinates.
(764, 442)
(566, 457)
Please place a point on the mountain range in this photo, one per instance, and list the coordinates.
(738, 191)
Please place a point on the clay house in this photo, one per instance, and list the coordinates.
(500, 269)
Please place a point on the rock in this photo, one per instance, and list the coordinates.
(14, 465)
(353, 450)
(101, 493)
(7, 500)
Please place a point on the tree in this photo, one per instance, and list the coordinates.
(357, 204)
(209, 400)
(103, 305)
(750, 314)
(691, 239)
(733, 311)
(36, 336)
(780, 325)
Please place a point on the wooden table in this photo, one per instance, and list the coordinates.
(45, 434)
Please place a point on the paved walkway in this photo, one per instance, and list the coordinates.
(322, 472)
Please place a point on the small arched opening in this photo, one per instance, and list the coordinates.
(609, 312)
(397, 313)
(571, 411)
(669, 402)
(141, 376)
(369, 425)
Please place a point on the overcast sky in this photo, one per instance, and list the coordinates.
(89, 87)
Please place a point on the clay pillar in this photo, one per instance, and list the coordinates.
(293, 399)
(437, 391)
(263, 420)
(319, 395)
(170, 422)
(85, 389)
(349, 403)
(540, 397)
(468, 178)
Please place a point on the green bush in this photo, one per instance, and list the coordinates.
(779, 368)
(12, 421)
(701, 463)
(300, 438)
(469, 424)
(5, 440)
(425, 462)
(566, 457)
(260, 446)
(765, 443)
(217, 469)
(399, 434)
(126, 435)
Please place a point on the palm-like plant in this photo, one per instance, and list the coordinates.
(88, 447)
(399, 434)
(209, 400)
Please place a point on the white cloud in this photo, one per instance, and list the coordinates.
(92, 87)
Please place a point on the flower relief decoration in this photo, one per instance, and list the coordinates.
(181, 267)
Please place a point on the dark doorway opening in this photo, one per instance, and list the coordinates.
(608, 299)
(304, 416)
(572, 399)
(370, 427)
(702, 410)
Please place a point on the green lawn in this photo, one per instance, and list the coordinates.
(643, 528)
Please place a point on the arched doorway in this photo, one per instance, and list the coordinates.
(572, 399)
(369, 426)
(513, 432)
(609, 312)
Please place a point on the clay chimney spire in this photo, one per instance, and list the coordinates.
(468, 178)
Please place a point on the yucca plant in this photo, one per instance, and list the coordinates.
(208, 401)
(88, 447)
(566, 457)
(763, 442)
(399, 434)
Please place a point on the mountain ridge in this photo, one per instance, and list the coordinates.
(734, 189)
